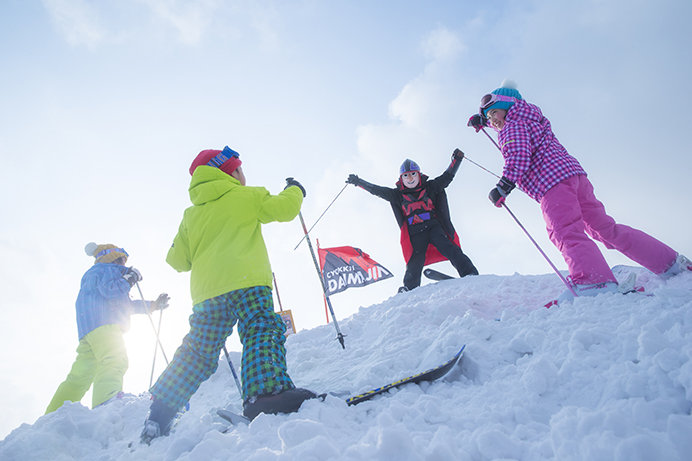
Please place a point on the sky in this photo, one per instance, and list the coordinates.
(103, 106)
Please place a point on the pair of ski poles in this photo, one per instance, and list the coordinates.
(156, 333)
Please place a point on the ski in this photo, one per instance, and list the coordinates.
(233, 418)
(432, 274)
(428, 375)
(626, 287)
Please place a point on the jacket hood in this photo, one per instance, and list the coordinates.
(209, 183)
(522, 110)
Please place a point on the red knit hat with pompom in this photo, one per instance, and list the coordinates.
(226, 160)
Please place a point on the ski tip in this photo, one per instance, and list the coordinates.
(233, 418)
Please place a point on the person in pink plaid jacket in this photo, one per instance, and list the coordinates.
(539, 165)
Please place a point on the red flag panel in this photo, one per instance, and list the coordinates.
(346, 267)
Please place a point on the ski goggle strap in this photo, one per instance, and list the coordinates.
(111, 250)
(222, 157)
(490, 99)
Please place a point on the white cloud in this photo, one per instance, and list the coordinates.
(425, 112)
(90, 24)
(77, 20)
(189, 19)
(442, 44)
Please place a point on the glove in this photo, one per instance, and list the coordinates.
(132, 276)
(292, 182)
(160, 303)
(477, 121)
(353, 179)
(457, 157)
(501, 191)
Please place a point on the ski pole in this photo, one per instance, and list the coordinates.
(318, 219)
(564, 280)
(156, 349)
(235, 376)
(339, 336)
(276, 287)
(151, 320)
(491, 139)
(482, 167)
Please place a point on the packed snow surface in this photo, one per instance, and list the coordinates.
(604, 378)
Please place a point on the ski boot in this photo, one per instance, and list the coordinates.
(681, 264)
(588, 289)
(158, 423)
(288, 401)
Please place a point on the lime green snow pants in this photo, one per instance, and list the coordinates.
(101, 360)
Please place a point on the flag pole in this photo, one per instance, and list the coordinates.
(326, 312)
(339, 336)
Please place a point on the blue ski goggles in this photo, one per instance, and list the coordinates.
(222, 157)
(111, 250)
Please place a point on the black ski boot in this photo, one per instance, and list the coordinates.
(158, 423)
(288, 401)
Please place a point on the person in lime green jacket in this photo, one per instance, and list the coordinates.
(220, 241)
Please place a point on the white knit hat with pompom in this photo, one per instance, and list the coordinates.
(105, 253)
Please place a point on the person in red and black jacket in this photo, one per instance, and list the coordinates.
(421, 210)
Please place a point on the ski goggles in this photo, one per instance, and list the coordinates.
(111, 250)
(222, 157)
(490, 99)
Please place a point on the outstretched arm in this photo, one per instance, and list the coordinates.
(446, 178)
(385, 193)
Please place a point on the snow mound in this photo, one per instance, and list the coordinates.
(604, 378)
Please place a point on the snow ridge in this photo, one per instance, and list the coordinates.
(605, 378)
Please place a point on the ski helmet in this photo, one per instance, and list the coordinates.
(408, 165)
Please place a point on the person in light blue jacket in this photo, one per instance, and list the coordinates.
(103, 314)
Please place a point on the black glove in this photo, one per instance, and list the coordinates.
(501, 191)
(161, 302)
(457, 157)
(353, 179)
(292, 182)
(132, 276)
(477, 121)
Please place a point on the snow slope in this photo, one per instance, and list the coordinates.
(605, 378)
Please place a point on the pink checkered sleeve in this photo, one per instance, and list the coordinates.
(516, 149)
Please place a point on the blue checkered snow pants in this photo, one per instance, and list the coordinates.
(261, 333)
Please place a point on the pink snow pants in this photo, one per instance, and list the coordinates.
(570, 209)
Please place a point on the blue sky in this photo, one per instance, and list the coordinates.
(103, 105)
